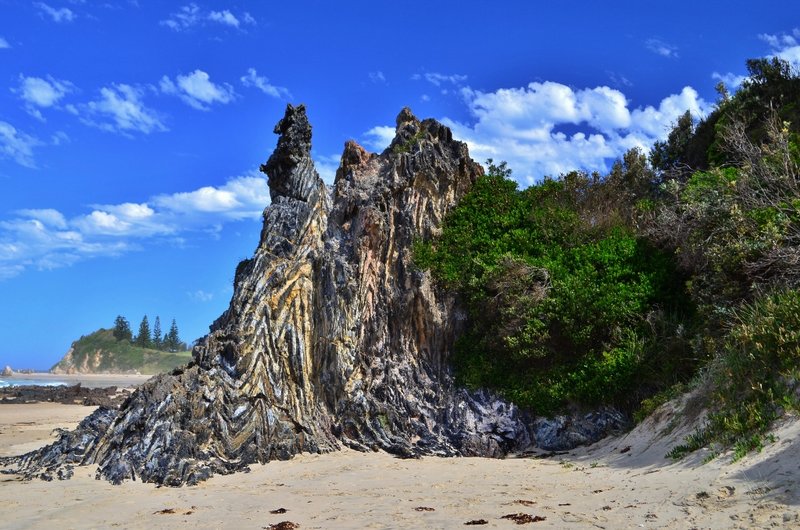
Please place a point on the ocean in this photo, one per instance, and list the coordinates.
(18, 381)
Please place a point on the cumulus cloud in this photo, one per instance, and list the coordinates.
(661, 48)
(59, 15)
(786, 46)
(224, 17)
(731, 81)
(378, 138)
(528, 126)
(43, 92)
(46, 239)
(252, 79)
(121, 109)
(780, 41)
(4, 44)
(197, 90)
(190, 16)
(48, 216)
(38, 93)
(17, 145)
(186, 17)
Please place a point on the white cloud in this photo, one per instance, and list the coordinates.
(326, 166)
(661, 48)
(17, 145)
(42, 93)
(4, 44)
(618, 80)
(785, 46)
(252, 79)
(730, 80)
(197, 90)
(48, 216)
(57, 15)
(201, 296)
(46, 239)
(224, 17)
(438, 79)
(526, 126)
(59, 137)
(186, 17)
(240, 198)
(190, 16)
(781, 41)
(377, 77)
(121, 109)
(379, 137)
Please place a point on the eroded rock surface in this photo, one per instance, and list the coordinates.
(109, 397)
(332, 336)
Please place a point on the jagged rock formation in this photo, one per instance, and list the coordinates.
(332, 336)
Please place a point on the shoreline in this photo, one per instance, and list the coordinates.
(85, 380)
(621, 482)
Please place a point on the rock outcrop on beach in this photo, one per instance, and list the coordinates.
(109, 397)
(332, 336)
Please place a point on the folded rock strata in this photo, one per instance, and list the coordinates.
(332, 336)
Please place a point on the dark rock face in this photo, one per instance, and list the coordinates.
(71, 395)
(331, 337)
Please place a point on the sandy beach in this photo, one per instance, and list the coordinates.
(622, 482)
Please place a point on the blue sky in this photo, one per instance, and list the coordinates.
(131, 131)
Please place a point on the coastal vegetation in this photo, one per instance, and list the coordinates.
(674, 271)
(170, 341)
(117, 350)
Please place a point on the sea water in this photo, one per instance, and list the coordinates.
(17, 381)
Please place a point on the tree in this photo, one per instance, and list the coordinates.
(157, 340)
(122, 329)
(172, 341)
(672, 155)
(143, 339)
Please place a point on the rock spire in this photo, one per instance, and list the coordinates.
(332, 336)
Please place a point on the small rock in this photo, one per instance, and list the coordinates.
(283, 525)
(524, 518)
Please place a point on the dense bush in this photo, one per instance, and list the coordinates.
(755, 377)
(567, 305)
(587, 290)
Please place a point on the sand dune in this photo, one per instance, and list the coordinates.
(621, 482)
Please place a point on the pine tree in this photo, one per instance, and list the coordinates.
(143, 339)
(158, 343)
(172, 340)
(122, 329)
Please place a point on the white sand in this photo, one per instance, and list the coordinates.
(595, 487)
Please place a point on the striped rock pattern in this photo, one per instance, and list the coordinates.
(332, 337)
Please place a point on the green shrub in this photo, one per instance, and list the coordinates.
(755, 376)
(559, 306)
